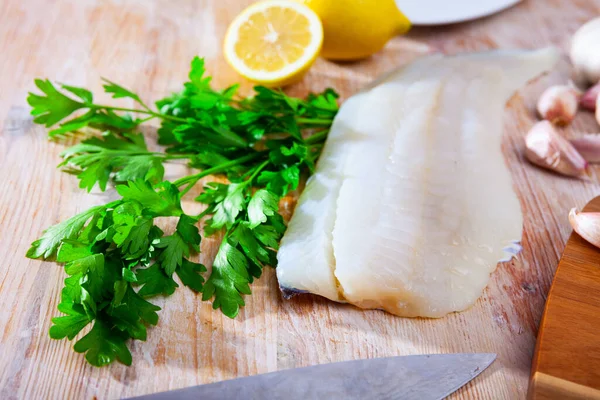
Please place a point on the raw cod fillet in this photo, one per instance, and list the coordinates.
(411, 206)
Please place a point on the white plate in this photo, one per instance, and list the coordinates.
(438, 12)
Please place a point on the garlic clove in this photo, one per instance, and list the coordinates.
(558, 104)
(589, 98)
(588, 146)
(547, 149)
(586, 224)
(598, 109)
(584, 52)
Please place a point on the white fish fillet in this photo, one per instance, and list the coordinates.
(411, 205)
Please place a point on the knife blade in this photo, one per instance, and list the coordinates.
(419, 377)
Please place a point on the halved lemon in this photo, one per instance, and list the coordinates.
(273, 42)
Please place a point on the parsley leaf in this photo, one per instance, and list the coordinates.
(46, 246)
(164, 201)
(228, 280)
(95, 159)
(187, 229)
(71, 324)
(227, 210)
(155, 281)
(119, 91)
(190, 274)
(262, 205)
(133, 236)
(52, 108)
(133, 313)
(281, 181)
(103, 344)
(85, 95)
(177, 246)
(174, 248)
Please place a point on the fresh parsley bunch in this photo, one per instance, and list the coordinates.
(114, 255)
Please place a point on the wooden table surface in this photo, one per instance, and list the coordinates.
(147, 45)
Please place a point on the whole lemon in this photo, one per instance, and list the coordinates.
(355, 29)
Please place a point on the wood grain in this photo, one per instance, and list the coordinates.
(567, 352)
(148, 44)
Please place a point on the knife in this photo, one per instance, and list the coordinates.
(567, 354)
(420, 377)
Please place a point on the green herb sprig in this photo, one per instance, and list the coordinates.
(114, 255)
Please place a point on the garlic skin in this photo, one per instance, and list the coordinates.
(585, 54)
(586, 224)
(590, 97)
(558, 104)
(547, 149)
(588, 146)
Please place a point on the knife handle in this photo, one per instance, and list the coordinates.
(566, 363)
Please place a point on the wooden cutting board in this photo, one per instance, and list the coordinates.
(567, 354)
(147, 45)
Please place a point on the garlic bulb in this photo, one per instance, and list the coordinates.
(585, 52)
(558, 104)
(588, 146)
(547, 149)
(586, 224)
(589, 98)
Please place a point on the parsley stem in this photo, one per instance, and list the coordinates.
(141, 121)
(314, 121)
(147, 111)
(175, 156)
(188, 188)
(191, 180)
(127, 153)
(256, 171)
(317, 137)
(202, 214)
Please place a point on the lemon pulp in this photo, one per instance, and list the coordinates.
(273, 42)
